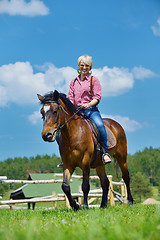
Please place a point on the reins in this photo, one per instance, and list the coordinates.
(79, 108)
(59, 127)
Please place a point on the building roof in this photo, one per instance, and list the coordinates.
(41, 190)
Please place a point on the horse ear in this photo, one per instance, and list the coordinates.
(56, 95)
(40, 97)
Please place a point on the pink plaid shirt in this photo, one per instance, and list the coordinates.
(79, 91)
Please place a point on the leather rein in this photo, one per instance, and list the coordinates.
(60, 108)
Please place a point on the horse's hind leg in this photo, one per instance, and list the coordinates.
(121, 159)
(126, 179)
(66, 188)
(104, 184)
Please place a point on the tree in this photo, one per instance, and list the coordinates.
(140, 186)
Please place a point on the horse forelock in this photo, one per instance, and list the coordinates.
(48, 97)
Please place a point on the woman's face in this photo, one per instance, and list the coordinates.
(84, 68)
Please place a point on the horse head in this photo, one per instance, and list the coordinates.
(51, 114)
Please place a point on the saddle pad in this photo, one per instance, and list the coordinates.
(111, 140)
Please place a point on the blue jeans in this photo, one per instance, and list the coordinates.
(94, 114)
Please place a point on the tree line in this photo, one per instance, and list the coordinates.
(144, 168)
(19, 168)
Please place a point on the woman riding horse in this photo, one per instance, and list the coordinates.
(85, 92)
(76, 144)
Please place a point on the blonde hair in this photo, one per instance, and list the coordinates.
(85, 59)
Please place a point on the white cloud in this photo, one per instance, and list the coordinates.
(128, 124)
(58, 78)
(21, 7)
(115, 81)
(34, 118)
(141, 73)
(156, 29)
(3, 96)
(20, 84)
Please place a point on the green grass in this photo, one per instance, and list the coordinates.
(119, 222)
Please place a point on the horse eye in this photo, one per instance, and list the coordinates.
(42, 115)
(54, 112)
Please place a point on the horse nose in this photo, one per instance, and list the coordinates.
(47, 137)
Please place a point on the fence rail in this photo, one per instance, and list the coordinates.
(31, 181)
(93, 194)
(3, 177)
(33, 200)
(91, 178)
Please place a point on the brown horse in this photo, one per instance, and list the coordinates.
(77, 147)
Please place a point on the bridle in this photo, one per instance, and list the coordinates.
(61, 109)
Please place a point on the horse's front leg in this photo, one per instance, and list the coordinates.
(85, 187)
(66, 188)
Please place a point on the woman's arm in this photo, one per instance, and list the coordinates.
(71, 92)
(90, 104)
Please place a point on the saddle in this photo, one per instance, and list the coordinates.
(111, 140)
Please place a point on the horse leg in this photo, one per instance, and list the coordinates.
(121, 159)
(85, 187)
(104, 184)
(66, 188)
(126, 179)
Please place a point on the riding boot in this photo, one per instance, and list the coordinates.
(60, 165)
(106, 158)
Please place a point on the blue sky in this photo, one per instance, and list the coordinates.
(40, 43)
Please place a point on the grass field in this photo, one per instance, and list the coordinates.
(119, 222)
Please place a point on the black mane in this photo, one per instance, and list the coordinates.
(55, 96)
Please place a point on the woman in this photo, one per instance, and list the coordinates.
(87, 93)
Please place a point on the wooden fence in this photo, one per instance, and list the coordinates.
(93, 194)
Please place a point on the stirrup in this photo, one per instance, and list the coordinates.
(60, 165)
(107, 160)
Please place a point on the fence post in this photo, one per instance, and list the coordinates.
(79, 198)
(123, 189)
(10, 207)
(55, 202)
(67, 202)
(111, 196)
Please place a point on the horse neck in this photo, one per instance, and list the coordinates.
(70, 125)
(65, 113)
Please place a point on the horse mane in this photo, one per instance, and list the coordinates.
(52, 97)
(71, 107)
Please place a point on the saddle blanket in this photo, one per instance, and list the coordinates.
(111, 140)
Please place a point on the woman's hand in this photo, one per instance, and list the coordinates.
(90, 104)
(86, 106)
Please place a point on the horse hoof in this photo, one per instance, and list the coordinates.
(130, 203)
(103, 206)
(76, 207)
(85, 206)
